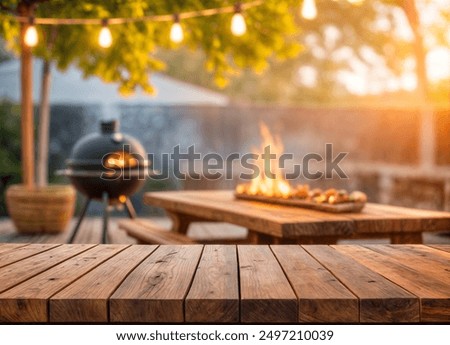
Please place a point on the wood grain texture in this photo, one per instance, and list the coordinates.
(418, 219)
(28, 301)
(22, 270)
(219, 283)
(380, 299)
(19, 253)
(155, 290)
(293, 222)
(429, 280)
(274, 220)
(214, 294)
(266, 295)
(87, 298)
(7, 247)
(92, 232)
(147, 231)
(443, 247)
(429, 262)
(373, 220)
(321, 297)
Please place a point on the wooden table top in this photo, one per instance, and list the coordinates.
(50, 283)
(293, 222)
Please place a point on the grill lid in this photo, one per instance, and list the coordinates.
(109, 148)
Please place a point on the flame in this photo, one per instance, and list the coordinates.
(276, 186)
(273, 185)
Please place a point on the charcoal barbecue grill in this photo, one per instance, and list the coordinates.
(108, 167)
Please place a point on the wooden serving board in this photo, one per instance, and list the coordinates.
(333, 208)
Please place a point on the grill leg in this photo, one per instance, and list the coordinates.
(80, 219)
(130, 209)
(105, 217)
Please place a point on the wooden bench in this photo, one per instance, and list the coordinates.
(146, 231)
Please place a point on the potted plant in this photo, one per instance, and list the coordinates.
(37, 207)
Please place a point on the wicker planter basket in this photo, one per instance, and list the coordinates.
(41, 210)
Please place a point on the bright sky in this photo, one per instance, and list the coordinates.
(363, 80)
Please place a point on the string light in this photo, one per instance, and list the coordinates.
(176, 31)
(309, 9)
(31, 35)
(151, 18)
(238, 26)
(105, 37)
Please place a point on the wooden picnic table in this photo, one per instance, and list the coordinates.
(81, 283)
(269, 223)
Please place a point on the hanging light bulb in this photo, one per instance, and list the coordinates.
(176, 31)
(105, 37)
(309, 9)
(238, 26)
(31, 35)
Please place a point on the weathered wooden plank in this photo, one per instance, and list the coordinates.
(372, 220)
(155, 290)
(91, 231)
(290, 222)
(20, 271)
(19, 253)
(274, 220)
(321, 297)
(28, 301)
(214, 294)
(86, 299)
(149, 232)
(417, 219)
(443, 247)
(380, 299)
(6, 247)
(266, 295)
(434, 293)
(429, 262)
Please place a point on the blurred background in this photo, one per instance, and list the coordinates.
(373, 78)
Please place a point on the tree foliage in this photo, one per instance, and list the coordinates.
(343, 38)
(131, 58)
(262, 65)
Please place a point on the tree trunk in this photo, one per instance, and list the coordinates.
(427, 129)
(27, 125)
(409, 6)
(44, 126)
